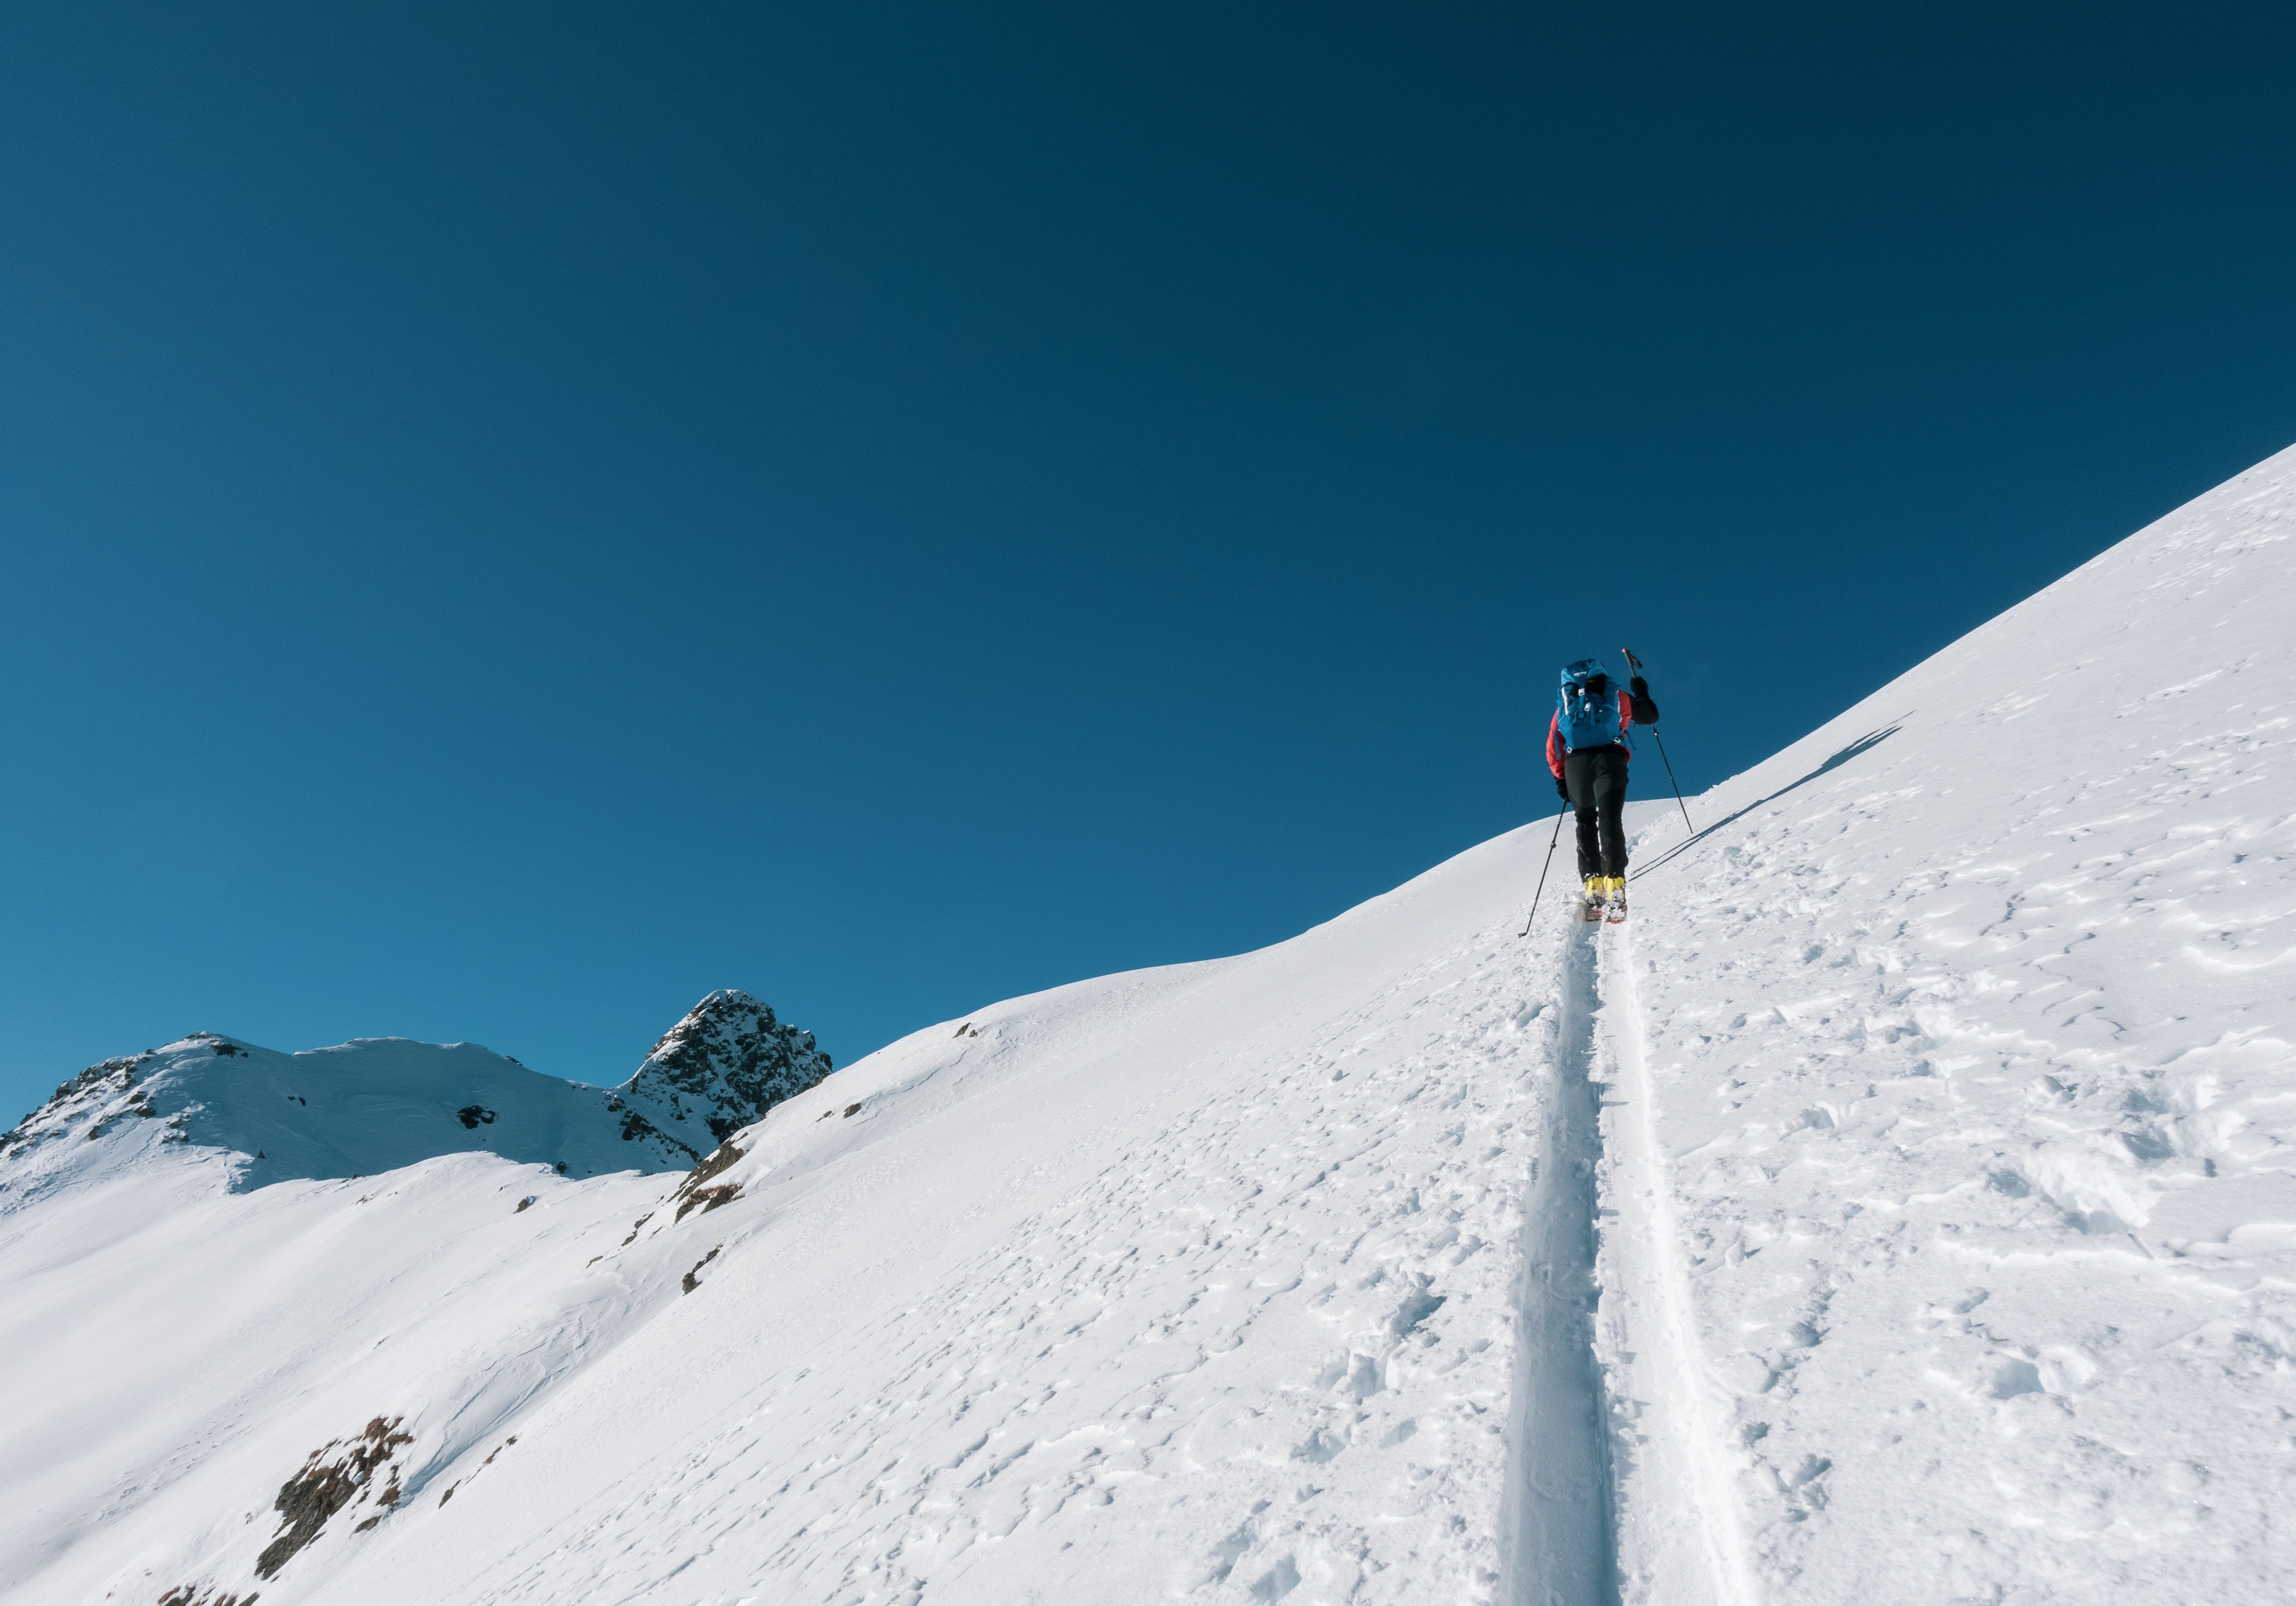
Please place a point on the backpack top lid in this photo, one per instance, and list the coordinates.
(1583, 673)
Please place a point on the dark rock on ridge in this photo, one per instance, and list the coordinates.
(721, 1068)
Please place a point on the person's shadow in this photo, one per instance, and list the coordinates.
(1870, 740)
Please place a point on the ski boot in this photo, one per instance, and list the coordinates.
(1614, 906)
(1597, 894)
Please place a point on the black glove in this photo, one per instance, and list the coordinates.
(1561, 788)
(1638, 686)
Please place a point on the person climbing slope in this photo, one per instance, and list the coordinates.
(1586, 749)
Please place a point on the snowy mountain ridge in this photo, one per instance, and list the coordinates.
(1899, 1207)
(377, 1104)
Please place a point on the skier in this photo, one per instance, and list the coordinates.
(1586, 749)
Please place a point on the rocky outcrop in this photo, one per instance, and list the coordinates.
(717, 1071)
(694, 1193)
(337, 1474)
(109, 1091)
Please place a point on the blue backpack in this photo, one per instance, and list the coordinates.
(1587, 707)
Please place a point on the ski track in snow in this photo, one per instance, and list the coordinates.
(1617, 1488)
(1679, 1522)
(1558, 1515)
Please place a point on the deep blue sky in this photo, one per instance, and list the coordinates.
(513, 517)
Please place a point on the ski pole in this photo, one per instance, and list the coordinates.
(1635, 664)
(1543, 869)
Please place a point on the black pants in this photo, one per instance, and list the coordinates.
(1597, 780)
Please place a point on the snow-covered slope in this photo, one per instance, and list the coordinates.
(1898, 1209)
(207, 1242)
(1972, 1037)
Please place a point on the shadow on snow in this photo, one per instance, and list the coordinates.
(1871, 739)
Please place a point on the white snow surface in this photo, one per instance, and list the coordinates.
(1897, 1209)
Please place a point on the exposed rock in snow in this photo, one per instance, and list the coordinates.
(720, 1069)
(336, 1475)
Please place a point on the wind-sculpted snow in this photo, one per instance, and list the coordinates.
(1898, 1209)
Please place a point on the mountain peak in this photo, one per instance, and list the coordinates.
(720, 1068)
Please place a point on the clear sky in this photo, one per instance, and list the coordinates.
(512, 517)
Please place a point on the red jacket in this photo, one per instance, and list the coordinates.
(1554, 732)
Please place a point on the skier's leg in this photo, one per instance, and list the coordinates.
(1577, 775)
(1608, 783)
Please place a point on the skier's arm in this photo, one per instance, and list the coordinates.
(1554, 745)
(1645, 707)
